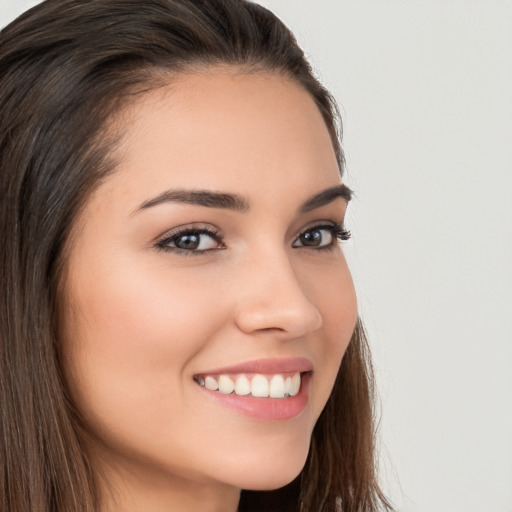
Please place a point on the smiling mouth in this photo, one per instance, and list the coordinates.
(279, 385)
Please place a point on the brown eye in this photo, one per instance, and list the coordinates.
(316, 237)
(191, 240)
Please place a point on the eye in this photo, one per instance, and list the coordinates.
(191, 240)
(323, 236)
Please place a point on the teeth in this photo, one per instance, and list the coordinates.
(242, 386)
(277, 387)
(211, 383)
(287, 384)
(226, 385)
(295, 385)
(261, 386)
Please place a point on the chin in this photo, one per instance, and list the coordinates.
(274, 471)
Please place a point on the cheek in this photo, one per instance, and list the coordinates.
(339, 305)
(147, 310)
(332, 291)
(132, 334)
(126, 353)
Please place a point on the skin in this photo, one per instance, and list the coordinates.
(139, 322)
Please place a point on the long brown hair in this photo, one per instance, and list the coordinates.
(66, 68)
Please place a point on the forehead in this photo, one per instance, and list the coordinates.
(224, 129)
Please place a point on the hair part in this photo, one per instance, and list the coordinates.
(67, 69)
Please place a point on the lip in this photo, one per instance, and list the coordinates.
(265, 409)
(266, 366)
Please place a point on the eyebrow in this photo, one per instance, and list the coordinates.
(327, 196)
(200, 198)
(238, 203)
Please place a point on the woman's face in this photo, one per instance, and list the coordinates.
(209, 258)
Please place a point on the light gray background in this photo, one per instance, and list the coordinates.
(425, 88)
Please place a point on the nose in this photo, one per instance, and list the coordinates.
(271, 299)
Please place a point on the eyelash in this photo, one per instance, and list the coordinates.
(176, 235)
(338, 232)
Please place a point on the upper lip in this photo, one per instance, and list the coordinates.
(267, 366)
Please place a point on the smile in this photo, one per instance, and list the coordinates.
(273, 389)
(256, 385)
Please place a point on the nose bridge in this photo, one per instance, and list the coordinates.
(273, 297)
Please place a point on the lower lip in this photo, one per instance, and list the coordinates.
(268, 409)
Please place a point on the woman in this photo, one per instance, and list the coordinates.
(178, 320)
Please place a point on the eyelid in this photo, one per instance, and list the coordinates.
(161, 243)
(322, 224)
(164, 241)
(337, 230)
